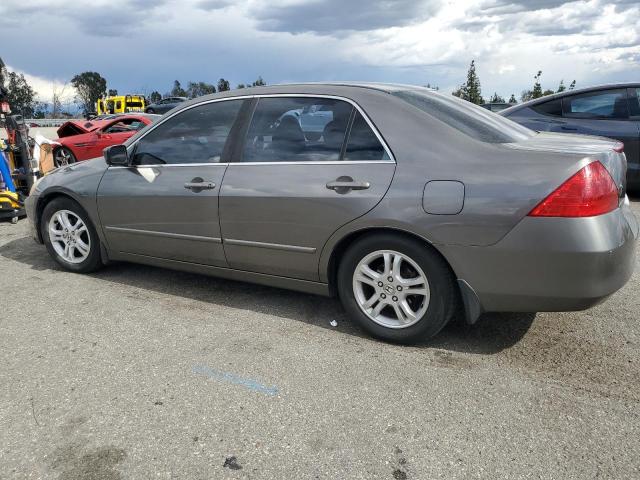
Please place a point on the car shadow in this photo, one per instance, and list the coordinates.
(490, 335)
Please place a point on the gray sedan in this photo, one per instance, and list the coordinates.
(164, 105)
(412, 206)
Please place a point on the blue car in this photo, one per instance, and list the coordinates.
(607, 110)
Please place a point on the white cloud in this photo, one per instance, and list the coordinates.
(46, 87)
(146, 44)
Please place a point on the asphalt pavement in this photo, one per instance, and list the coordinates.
(135, 372)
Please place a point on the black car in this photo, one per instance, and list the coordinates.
(606, 110)
(164, 105)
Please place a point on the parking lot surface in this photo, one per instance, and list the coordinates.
(136, 372)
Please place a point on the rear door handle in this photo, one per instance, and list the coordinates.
(345, 184)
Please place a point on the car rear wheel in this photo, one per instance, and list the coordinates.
(69, 236)
(397, 288)
(63, 157)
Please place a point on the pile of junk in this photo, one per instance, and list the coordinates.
(22, 161)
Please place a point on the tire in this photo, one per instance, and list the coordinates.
(151, 110)
(433, 305)
(63, 157)
(64, 213)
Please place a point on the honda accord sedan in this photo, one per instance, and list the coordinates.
(411, 206)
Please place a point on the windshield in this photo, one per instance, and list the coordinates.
(472, 120)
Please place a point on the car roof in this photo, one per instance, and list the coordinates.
(309, 88)
(566, 93)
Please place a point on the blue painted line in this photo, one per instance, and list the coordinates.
(235, 379)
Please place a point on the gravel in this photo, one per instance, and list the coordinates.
(136, 372)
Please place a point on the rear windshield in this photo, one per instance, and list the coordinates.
(472, 120)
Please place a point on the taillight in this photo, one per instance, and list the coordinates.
(618, 147)
(588, 193)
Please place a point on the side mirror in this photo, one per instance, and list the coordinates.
(116, 155)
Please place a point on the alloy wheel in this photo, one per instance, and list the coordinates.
(69, 236)
(62, 158)
(391, 289)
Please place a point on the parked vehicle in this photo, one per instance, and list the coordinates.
(410, 206)
(496, 107)
(607, 110)
(164, 105)
(120, 104)
(81, 140)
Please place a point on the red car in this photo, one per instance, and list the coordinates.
(85, 139)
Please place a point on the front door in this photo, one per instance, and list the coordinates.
(292, 188)
(165, 204)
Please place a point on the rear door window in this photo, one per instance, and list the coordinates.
(297, 129)
(363, 143)
(602, 104)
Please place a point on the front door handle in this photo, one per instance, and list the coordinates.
(345, 184)
(198, 184)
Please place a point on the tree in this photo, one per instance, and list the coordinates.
(561, 87)
(259, 82)
(155, 96)
(56, 100)
(177, 90)
(40, 110)
(20, 95)
(496, 98)
(200, 88)
(223, 85)
(90, 86)
(513, 99)
(537, 88)
(434, 87)
(241, 85)
(112, 92)
(536, 92)
(471, 90)
(572, 85)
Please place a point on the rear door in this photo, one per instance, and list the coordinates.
(288, 189)
(166, 204)
(604, 113)
(632, 148)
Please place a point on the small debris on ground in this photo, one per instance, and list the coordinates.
(333, 323)
(399, 474)
(232, 463)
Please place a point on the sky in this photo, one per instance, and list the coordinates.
(144, 45)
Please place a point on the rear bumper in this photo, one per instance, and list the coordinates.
(551, 264)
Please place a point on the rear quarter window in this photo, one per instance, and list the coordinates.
(551, 107)
(469, 119)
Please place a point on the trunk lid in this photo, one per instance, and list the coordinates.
(587, 147)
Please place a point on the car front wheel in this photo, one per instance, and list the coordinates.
(397, 288)
(69, 236)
